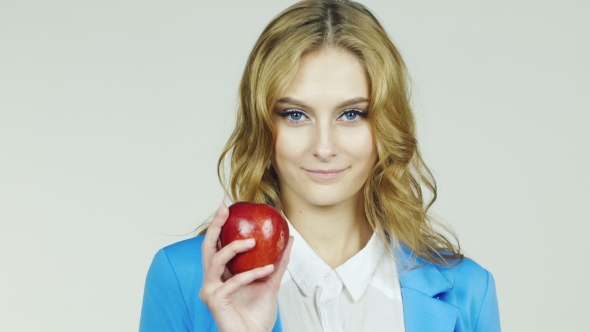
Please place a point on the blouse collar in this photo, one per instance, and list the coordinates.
(309, 271)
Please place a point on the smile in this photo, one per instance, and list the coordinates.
(325, 174)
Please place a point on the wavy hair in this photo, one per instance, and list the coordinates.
(394, 202)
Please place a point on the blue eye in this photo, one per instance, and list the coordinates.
(293, 116)
(352, 115)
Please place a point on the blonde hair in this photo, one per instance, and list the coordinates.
(394, 202)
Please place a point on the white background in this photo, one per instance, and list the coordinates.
(113, 114)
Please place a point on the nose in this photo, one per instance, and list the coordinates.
(324, 145)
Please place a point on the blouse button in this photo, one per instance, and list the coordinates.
(328, 278)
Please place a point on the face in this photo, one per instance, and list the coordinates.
(324, 147)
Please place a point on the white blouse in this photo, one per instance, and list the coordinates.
(363, 294)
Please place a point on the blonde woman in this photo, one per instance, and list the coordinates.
(325, 133)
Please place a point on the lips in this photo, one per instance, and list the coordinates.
(325, 174)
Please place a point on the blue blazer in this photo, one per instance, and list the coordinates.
(435, 298)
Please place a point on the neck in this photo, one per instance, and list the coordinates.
(335, 233)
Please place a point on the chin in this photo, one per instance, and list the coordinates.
(323, 202)
(326, 198)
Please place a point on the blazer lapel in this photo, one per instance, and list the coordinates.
(423, 311)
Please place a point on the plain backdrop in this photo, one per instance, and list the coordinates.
(113, 114)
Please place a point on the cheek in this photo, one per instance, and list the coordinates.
(288, 148)
(362, 146)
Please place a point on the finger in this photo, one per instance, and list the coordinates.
(276, 278)
(214, 229)
(226, 275)
(233, 284)
(224, 255)
(209, 246)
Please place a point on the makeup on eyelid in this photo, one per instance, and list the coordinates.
(289, 115)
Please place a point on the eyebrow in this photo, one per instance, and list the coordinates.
(349, 102)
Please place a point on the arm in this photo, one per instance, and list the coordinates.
(246, 301)
(164, 307)
(489, 315)
(175, 281)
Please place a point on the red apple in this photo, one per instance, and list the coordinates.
(261, 222)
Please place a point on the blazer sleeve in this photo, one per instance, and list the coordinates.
(164, 307)
(489, 315)
(171, 301)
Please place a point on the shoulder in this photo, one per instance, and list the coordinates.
(473, 291)
(467, 275)
(171, 296)
(184, 260)
(184, 254)
(465, 288)
(433, 279)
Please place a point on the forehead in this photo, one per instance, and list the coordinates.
(328, 75)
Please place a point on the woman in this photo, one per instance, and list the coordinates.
(325, 133)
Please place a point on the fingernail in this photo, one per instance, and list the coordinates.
(250, 242)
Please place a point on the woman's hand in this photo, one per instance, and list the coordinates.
(241, 302)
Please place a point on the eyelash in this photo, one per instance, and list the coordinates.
(285, 114)
(356, 111)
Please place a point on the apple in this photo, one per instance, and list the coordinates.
(261, 222)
